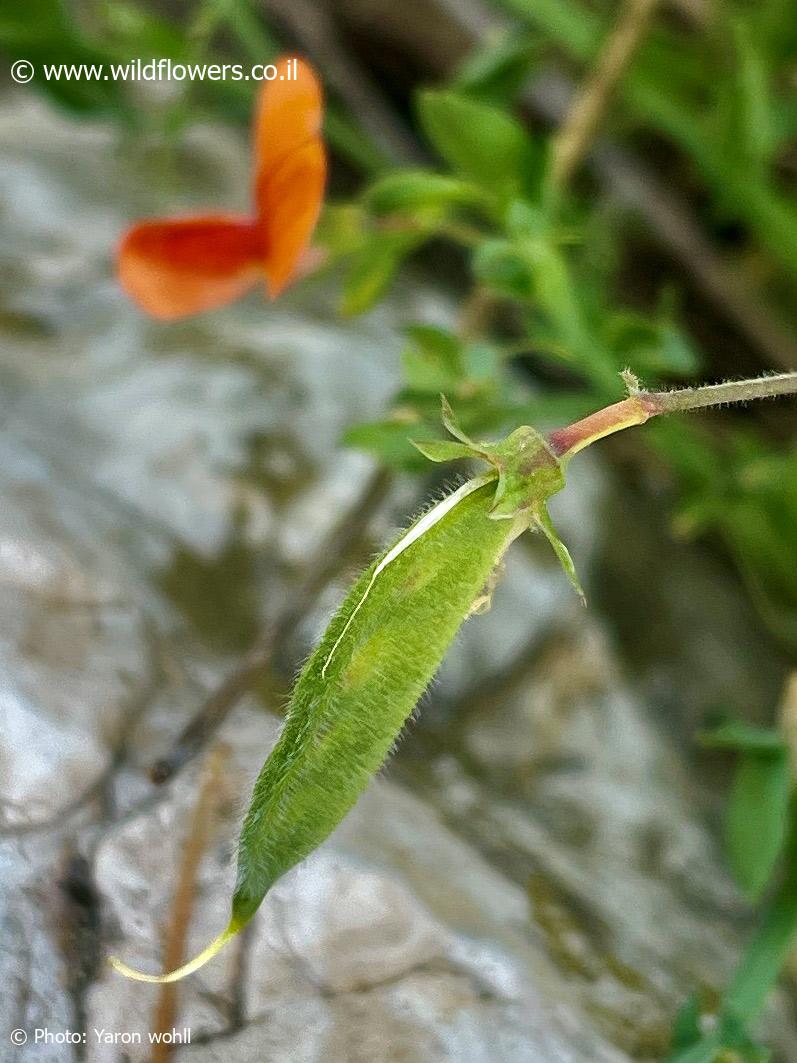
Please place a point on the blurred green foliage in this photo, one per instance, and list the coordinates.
(761, 841)
(721, 96)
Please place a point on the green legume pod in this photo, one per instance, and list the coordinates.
(354, 695)
(360, 685)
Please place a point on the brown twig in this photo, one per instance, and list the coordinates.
(475, 314)
(788, 725)
(699, 12)
(199, 833)
(343, 543)
(577, 132)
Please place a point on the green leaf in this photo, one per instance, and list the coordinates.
(757, 819)
(749, 132)
(738, 735)
(534, 270)
(762, 962)
(482, 362)
(500, 265)
(408, 191)
(435, 341)
(558, 294)
(373, 269)
(497, 69)
(434, 361)
(341, 229)
(686, 1028)
(523, 219)
(442, 449)
(388, 441)
(706, 1051)
(451, 423)
(479, 141)
(653, 347)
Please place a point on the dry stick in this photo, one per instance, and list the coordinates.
(196, 843)
(787, 724)
(573, 140)
(339, 547)
(475, 313)
(701, 12)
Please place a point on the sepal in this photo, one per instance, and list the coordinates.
(442, 449)
(543, 521)
(528, 470)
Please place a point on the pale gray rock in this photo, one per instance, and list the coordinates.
(395, 938)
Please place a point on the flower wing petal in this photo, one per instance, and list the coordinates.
(288, 115)
(184, 266)
(289, 204)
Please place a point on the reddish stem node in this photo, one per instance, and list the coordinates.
(640, 406)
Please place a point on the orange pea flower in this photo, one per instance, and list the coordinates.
(176, 267)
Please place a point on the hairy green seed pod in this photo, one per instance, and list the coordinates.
(359, 687)
(378, 655)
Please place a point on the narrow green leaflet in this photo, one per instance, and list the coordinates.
(745, 997)
(433, 362)
(498, 67)
(749, 127)
(545, 524)
(386, 440)
(757, 820)
(738, 735)
(705, 1051)
(502, 266)
(444, 450)
(409, 191)
(373, 268)
(763, 961)
(686, 1030)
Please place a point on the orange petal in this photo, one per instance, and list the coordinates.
(289, 113)
(187, 265)
(289, 203)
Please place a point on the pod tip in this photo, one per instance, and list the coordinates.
(198, 961)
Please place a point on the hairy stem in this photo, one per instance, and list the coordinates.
(640, 406)
(765, 387)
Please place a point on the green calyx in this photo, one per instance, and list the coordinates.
(528, 473)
